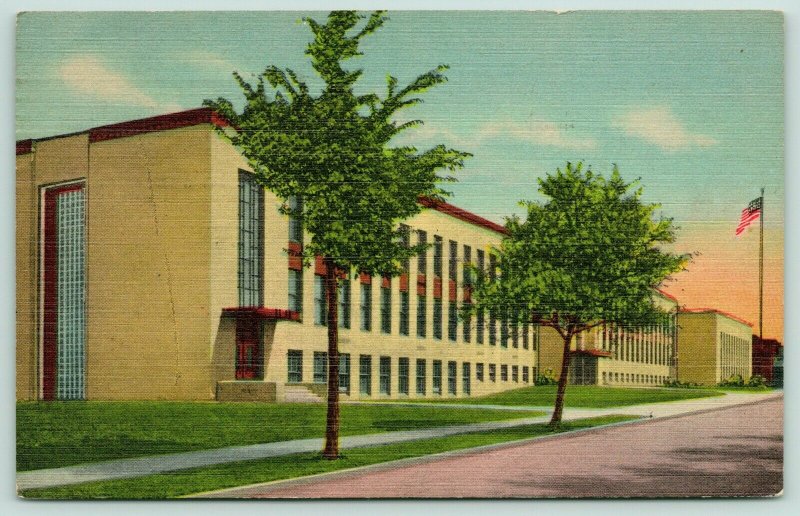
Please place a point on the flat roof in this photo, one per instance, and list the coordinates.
(715, 311)
(206, 115)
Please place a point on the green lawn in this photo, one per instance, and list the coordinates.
(583, 396)
(210, 478)
(55, 434)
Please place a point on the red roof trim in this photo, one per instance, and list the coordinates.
(188, 118)
(462, 214)
(24, 147)
(668, 296)
(592, 352)
(715, 311)
(277, 314)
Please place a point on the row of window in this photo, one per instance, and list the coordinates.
(633, 378)
(652, 345)
(734, 356)
(365, 369)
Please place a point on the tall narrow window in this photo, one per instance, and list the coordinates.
(437, 318)
(63, 361)
(421, 375)
(344, 303)
(452, 321)
(466, 273)
(467, 327)
(402, 375)
(480, 322)
(492, 326)
(504, 373)
(479, 371)
(514, 373)
(422, 319)
(251, 241)
(466, 280)
(344, 373)
(452, 262)
(386, 307)
(525, 373)
(422, 259)
(405, 313)
(320, 367)
(365, 374)
(366, 306)
(320, 301)
(437, 256)
(466, 386)
(295, 366)
(526, 335)
(492, 373)
(295, 225)
(385, 378)
(296, 290)
(514, 328)
(436, 385)
(452, 369)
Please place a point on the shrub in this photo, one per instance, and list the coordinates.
(676, 384)
(757, 381)
(548, 377)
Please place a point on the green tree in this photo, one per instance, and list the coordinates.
(333, 150)
(591, 254)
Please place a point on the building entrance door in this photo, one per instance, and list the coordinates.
(63, 357)
(249, 349)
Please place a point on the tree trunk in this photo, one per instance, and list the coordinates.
(562, 382)
(331, 450)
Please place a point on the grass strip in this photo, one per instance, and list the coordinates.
(57, 434)
(197, 480)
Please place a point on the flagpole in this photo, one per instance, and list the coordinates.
(761, 271)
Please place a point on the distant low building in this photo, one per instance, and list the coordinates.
(616, 356)
(713, 346)
(768, 360)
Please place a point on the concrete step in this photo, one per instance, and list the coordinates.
(300, 394)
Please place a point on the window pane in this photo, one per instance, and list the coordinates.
(366, 306)
(320, 367)
(295, 366)
(421, 374)
(251, 241)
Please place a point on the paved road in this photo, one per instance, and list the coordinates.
(736, 451)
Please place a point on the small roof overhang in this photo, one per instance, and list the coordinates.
(262, 312)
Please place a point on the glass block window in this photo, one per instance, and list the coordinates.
(386, 309)
(251, 241)
(344, 373)
(320, 367)
(366, 306)
(479, 371)
(421, 374)
(436, 387)
(71, 294)
(405, 313)
(452, 369)
(385, 375)
(295, 225)
(452, 321)
(437, 319)
(402, 375)
(466, 378)
(365, 374)
(320, 302)
(295, 290)
(421, 316)
(344, 303)
(295, 366)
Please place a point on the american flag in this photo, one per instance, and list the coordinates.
(749, 215)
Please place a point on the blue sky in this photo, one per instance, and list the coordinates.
(691, 102)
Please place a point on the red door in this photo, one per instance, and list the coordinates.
(249, 352)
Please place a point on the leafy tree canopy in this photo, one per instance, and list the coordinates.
(592, 253)
(333, 150)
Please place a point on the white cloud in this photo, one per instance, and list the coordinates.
(539, 132)
(660, 126)
(89, 75)
(204, 58)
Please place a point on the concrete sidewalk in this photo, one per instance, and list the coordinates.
(142, 466)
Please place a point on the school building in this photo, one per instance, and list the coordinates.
(713, 346)
(616, 356)
(150, 265)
